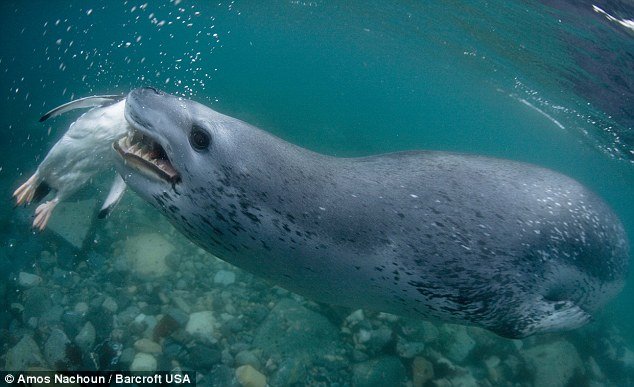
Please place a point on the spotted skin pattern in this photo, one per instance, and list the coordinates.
(508, 246)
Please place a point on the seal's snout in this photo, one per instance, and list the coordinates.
(155, 91)
(145, 93)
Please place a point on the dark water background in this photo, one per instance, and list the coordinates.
(550, 82)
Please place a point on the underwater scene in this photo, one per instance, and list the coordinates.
(244, 195)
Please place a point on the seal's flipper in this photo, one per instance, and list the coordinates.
(545, 316)
(86, 102)
(114, 196)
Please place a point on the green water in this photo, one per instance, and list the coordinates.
(544, 83)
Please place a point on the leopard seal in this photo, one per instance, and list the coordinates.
(507, 246)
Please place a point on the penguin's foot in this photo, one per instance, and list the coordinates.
(43, 214)
(24, 194)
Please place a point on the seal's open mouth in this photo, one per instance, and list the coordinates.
(146, 155)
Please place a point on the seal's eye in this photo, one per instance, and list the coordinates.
(199, 138)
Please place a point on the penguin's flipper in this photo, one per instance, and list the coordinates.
(114, 196)
(86, 102)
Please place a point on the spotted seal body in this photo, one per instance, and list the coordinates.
(507, 246)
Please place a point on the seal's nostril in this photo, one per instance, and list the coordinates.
(154, 90)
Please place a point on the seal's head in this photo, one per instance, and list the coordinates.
(171, 137)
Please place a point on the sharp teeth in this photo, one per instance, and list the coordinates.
(133, 148)
(127, 141)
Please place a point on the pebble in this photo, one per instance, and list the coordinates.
(250, 377)
(72, 322)
(148, 346)
(28, 280)
(201, 325)
(143, 362)
(355, 317)
(110, 305)
(165, 327)
(179, 316)
(127, 357)
(220, 376)
(55, 349)
(182, 304)
(459, 343)
(290, 371)
(492, 364)
(86, 336)
(224, 277)
(226, 358)
(379, 338)
(247, 357)
(359, 356)
(24, 354)
(383, 371)
(202, 357)
(422, 371)
(409, 349)
(555, 363)
(37, 303)
(594, 368)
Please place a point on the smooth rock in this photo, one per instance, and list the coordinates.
(355, 317)
(28, 280)
(289, 372)
(55, 349)
(554, 364)
(247, 357)
(148, 346)
(143, 362)
(417, 330)
(226, 357)
(250, 377)
(359, 356)
(463, 380)
(147, 254)
(86, 336)
(458, 343)
(224, 277)
(72, 322)
(291, 330)
(409, 349)
(37, 303)
(53, 316)
(127, 357)
(384, 371)
(492, 363)
(626, 358)
(202, 325)
(24, 354)
(595, 370)
(422, 371)
(179, 316)
(379, 339)
(221, 375)
(110, 305)
(165, 327)
(202, 357)
(81, 308)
